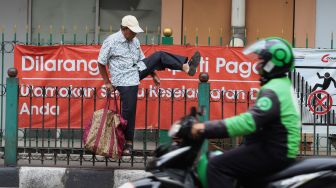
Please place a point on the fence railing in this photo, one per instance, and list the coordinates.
(57, 144)
(61, 142)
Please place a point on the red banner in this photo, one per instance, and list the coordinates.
(70, 74)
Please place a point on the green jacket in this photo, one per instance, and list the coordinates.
(273, 121)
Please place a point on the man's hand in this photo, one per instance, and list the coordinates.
(156, 79)
(110, 88)
(197, 129)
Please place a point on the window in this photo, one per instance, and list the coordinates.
(55, 17)
(79, 17)
(148, 13)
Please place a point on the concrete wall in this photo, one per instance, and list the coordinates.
(13, 12)
(263, 18)
(171, 17)
(266, 18)
(74, 16)
(200, 15)
(305, 23)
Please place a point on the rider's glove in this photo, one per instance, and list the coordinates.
(215, 129)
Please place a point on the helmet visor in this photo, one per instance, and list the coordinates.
(256, 47)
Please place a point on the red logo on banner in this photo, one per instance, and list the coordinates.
(327, 59)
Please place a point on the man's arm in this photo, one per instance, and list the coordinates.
(103, 57)
(264, 110)
(103, 73)
(332, 79)
(319, 76)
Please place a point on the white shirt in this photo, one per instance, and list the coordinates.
(124, 59)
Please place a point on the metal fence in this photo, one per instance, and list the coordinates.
(63, 146)
(57, 144)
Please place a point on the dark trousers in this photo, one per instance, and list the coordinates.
(246, 163)
(128, 94)
(161, 60)
(128, 98)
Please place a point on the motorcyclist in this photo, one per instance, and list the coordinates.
(271, 126)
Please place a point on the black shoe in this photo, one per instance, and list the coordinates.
(128, 149)
(193, 63)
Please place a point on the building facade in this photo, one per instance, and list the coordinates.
(303, 22)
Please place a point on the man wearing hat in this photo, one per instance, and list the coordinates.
(122, 54)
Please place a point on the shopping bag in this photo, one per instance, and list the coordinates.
(104, 134)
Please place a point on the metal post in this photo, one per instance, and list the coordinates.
(204, 101)
(209, 39)
(294, 40)
(11, 118)
(2, 80)
(163, 134)
(332, 40)
(167, 38)
(146, 36)
(164, 138)
(159, 35)
(196, 36)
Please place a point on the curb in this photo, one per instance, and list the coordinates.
(45, 177)
(9, 177)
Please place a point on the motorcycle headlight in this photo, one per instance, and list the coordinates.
(127, 185)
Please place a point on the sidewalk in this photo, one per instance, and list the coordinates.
(46, 174)
(52, 177)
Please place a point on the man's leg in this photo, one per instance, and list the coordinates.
(128, 97)
(242, 163)
(161, 60)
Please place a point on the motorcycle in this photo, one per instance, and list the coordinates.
(182, 164)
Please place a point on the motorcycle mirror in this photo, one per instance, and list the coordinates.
(193, 111)
(174, 129)
(201, 111)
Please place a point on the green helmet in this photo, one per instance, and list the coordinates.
(276, 56)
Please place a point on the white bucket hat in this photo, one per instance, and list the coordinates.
(132, 23)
